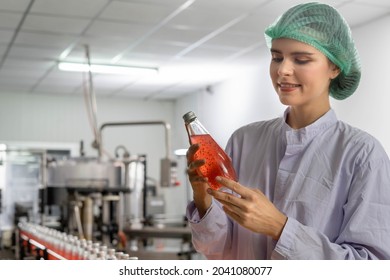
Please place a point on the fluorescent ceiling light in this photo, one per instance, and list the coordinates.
(106, 69)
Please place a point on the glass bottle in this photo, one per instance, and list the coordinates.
(217, 162)
(111, 254)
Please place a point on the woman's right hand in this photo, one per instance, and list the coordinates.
(198, 182)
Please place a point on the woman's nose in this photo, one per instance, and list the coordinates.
(285, 68)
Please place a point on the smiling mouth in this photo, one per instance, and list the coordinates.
(287, 86)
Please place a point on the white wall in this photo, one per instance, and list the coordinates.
(368, 107)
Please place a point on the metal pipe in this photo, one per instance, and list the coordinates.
(77, 217)
(166, 125)
(92, 106)
(88, 218)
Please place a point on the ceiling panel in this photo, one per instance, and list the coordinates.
(181, 34)
(17, 82)
(163, 48)
(7, 72)
(9, 20)
(55, 24)
(3, 49)
(5, 36)
(34, 52)
(254, 24)
(233, 40)
(168, 3)
(206, 19)
(135, 12)
(42, 39)
(28, 64)
(71, 8)
(112, 30)
(14, 5)
(194, 43)
(242, 6)
(211, 54)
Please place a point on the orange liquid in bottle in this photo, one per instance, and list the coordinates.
(217, 161)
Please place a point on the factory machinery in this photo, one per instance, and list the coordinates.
(116, 203)
(108, 201)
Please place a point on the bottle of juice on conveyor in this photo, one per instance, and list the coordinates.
(218, 163)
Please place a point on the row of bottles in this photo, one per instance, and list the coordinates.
(63, 246)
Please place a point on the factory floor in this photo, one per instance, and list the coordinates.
(7, 247)
(7, 254)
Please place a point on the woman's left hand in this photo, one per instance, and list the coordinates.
(252, 209)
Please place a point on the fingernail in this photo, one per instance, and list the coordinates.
(218, 178)
(209, 191)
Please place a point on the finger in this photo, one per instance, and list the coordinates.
(233, 214)
(191, 152)
(227, 199)
(198, 180)
(234, 186)
(193, 167)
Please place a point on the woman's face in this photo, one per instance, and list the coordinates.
(300, 73)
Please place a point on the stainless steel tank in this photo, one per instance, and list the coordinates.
(85, 172)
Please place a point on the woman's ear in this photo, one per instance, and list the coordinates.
(335, 71)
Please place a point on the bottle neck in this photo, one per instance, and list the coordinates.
(195, 127)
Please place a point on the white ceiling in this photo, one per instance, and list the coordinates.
(193, 43)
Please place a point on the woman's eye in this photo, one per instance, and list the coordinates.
(301, 61)
(277, 59)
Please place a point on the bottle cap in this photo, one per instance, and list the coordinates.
(188, 117)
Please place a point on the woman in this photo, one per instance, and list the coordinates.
(309, 185)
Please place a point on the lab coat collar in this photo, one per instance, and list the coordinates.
(304, 135)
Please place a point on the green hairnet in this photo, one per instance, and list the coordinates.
(322, 27)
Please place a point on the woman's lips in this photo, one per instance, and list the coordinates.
(288, 86)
